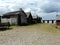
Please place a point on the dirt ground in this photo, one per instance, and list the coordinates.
(28, 36)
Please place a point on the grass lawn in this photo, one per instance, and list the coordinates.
(46, 27)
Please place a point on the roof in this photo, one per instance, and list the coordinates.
(34, 17)
(49, 17)
(57, 17)
(28, 14)
(21, 12)
(14, 13)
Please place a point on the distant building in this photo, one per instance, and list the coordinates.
(58, 20)
(16, 17)
(39, 19)
(48, 21)
(0, 19)
(36, 19)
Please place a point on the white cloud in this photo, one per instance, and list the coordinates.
(27, 10)
(35, 6)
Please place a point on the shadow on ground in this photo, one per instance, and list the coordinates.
(29, 24)
(4, 29)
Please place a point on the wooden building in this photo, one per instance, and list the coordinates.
(0, 19)
(29, 17)
(58, 20)
(4, 23)
(16, 17)
(39, 19)
(36, 19)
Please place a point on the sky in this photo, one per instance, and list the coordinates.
(37, 7)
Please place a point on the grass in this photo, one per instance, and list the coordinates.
(46, 27)
(49, 28)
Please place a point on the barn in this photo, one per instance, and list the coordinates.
(16, 17)
(58, 20)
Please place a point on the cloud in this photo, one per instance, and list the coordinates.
(51, 7)
(40, 7)
(27, 10)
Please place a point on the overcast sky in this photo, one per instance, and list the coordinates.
(40, 7)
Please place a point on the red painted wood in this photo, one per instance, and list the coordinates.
(58, 22)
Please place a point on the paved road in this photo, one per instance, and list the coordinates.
(28, 36)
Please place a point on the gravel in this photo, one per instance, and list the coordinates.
(28, 36)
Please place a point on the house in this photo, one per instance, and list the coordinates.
(39, 19)
(0, 19)
(16, 17)
(4, 23)
(29, 17)
(12, 17)
(48, 21)
(58, 20)
(36, 19)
